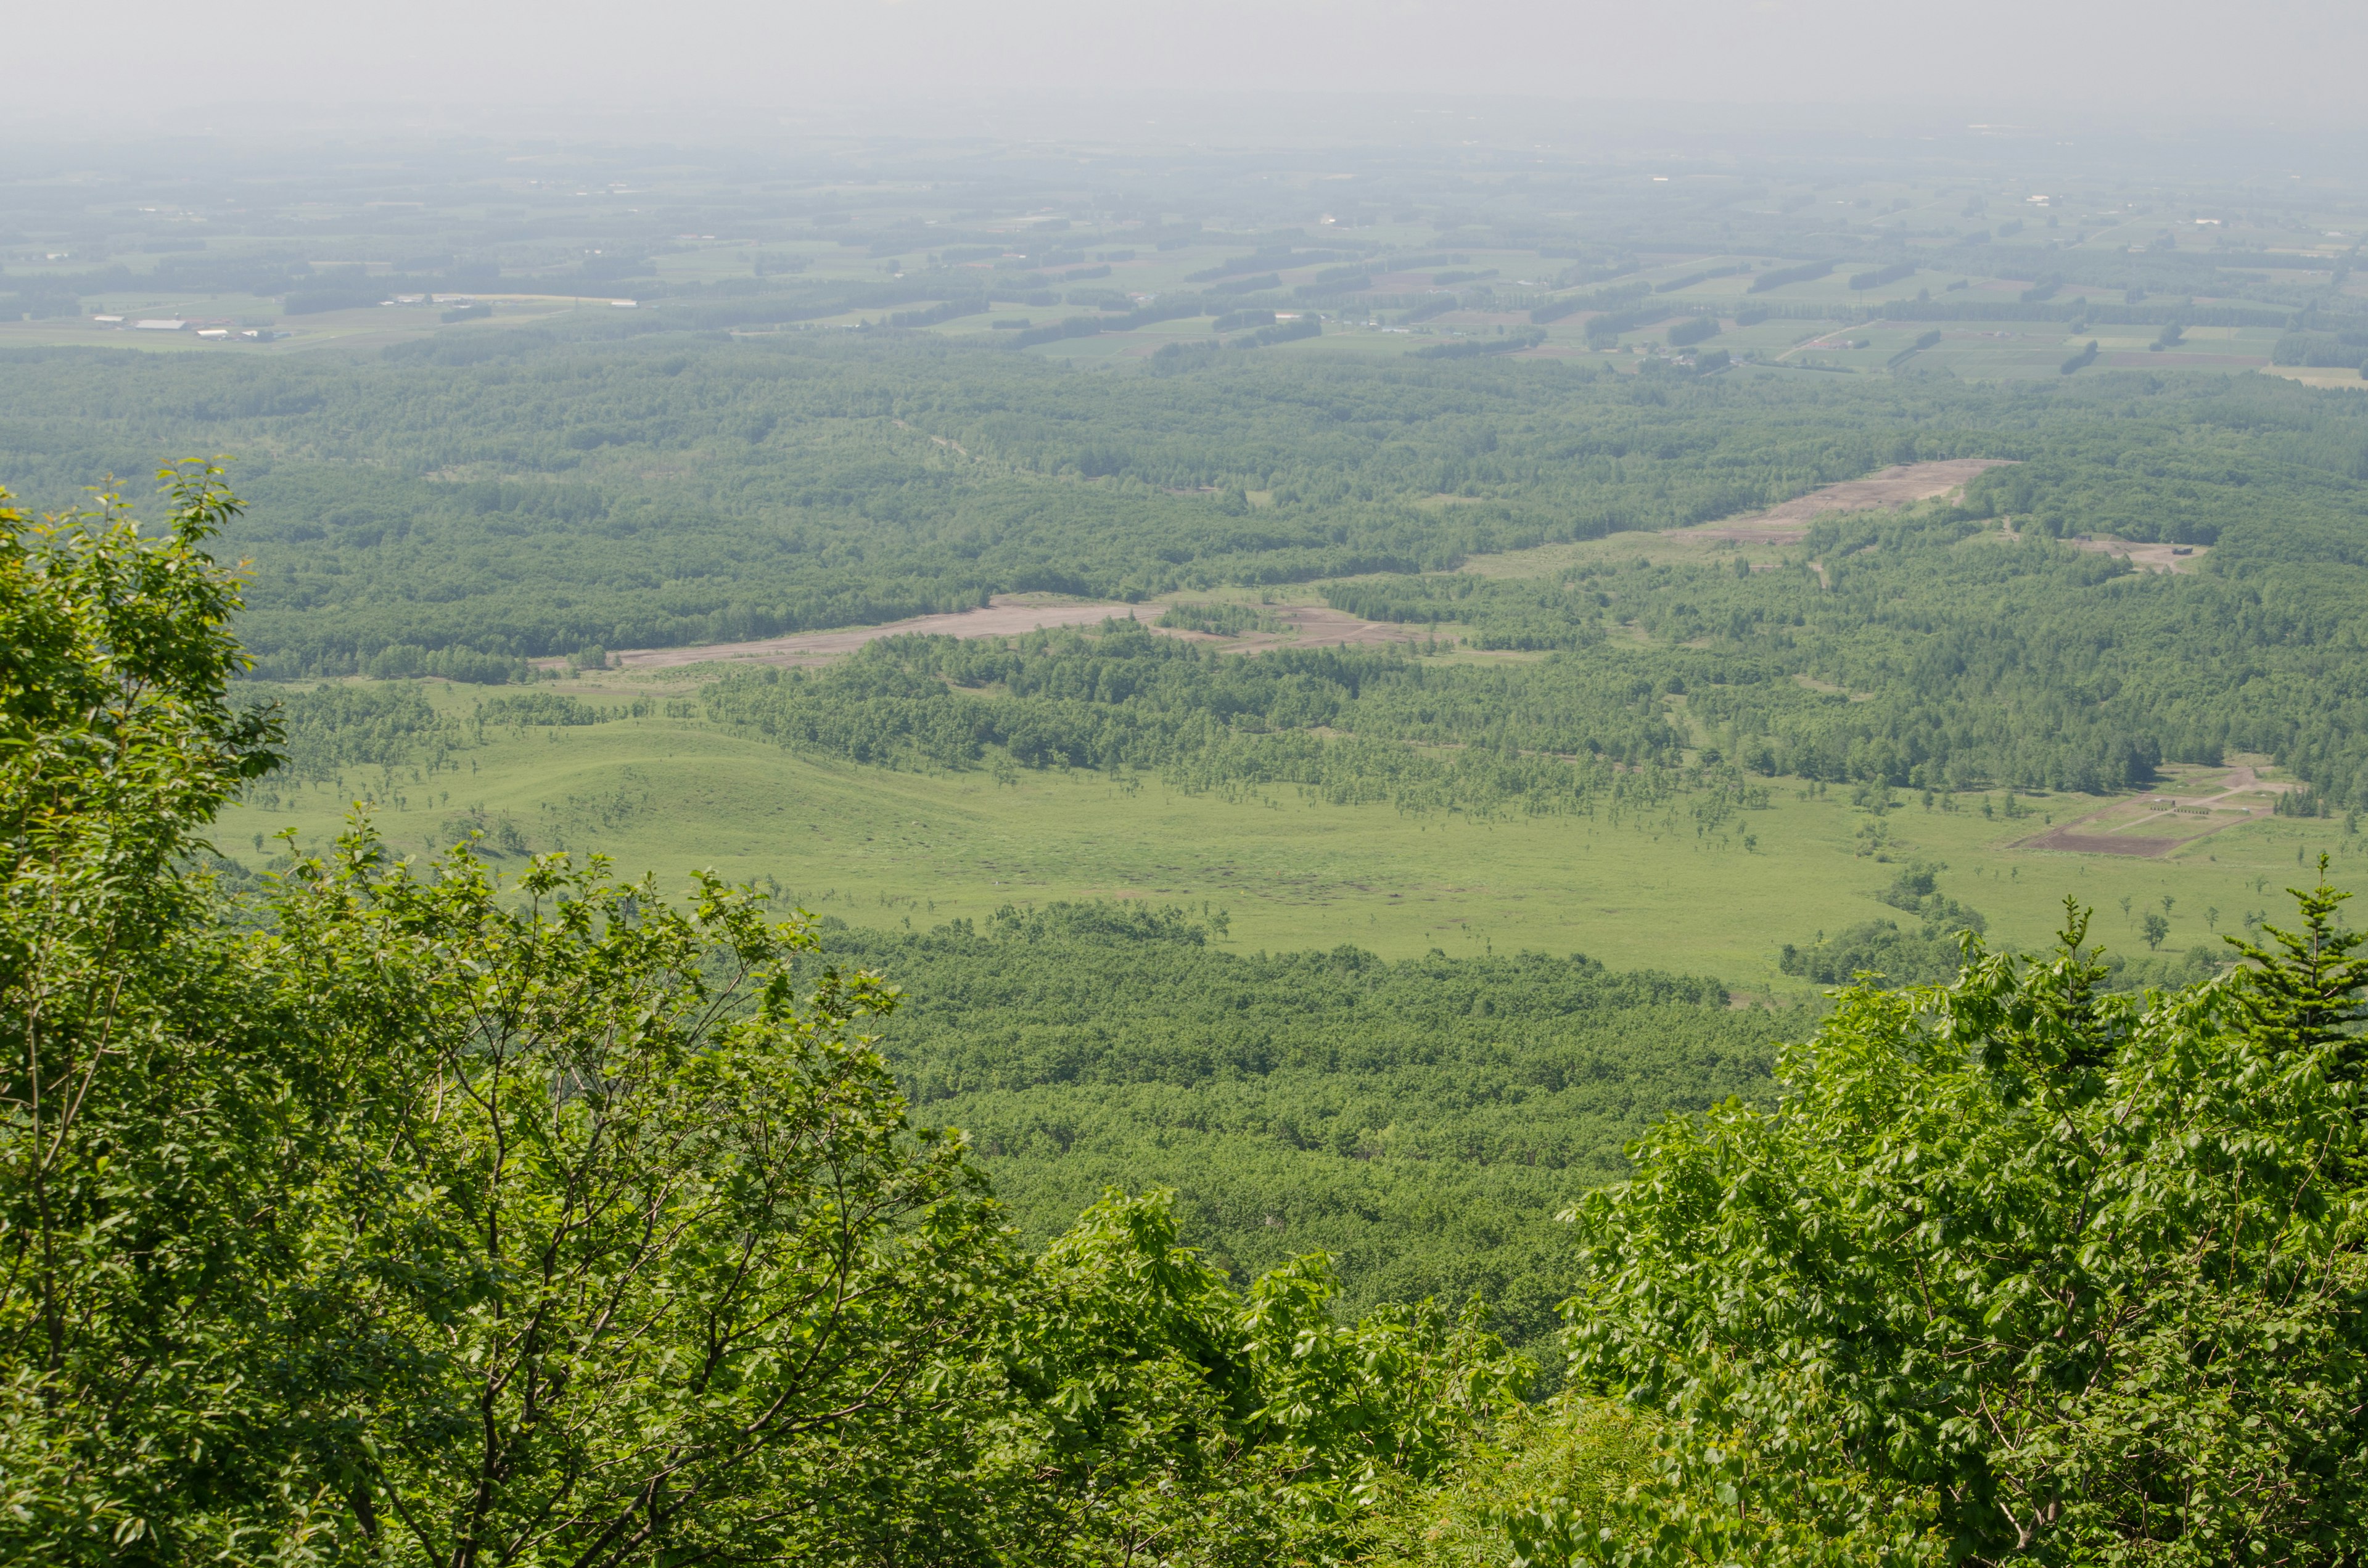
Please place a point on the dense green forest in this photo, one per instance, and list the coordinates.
(1933, 652)
(390, 1212)
(1930, 651)
(364, 1201)
(1420, 1122)
(1128, 699)
(560, 492)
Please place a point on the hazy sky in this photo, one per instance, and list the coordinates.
(2151, 62)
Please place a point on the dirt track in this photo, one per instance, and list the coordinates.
(1901, 485)
(1001, 618)
(2065, 839)
(1313, 626)
(1306, 626)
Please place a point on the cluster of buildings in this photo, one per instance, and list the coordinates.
(218, 329)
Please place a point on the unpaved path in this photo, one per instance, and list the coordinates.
(1305, 626)
(1903, 485)
(1003, 617)
(1314, 626)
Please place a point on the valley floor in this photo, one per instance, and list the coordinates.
(884, 848)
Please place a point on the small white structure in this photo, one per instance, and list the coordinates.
(215, 332)
(165, 323)
(109, 321)
(626, 304)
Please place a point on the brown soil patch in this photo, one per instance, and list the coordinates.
(1003, 617)
(2091, 844)
(1901, 485)
(1305, 626)
(2213, 803)
(1314, 626)
(2147, 557)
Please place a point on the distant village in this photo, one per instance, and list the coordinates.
(225, 329)
(218, 329)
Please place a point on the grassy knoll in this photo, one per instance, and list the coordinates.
(881, 848)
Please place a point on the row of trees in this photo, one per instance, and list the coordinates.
(1125, 698)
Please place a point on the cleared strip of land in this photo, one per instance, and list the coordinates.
(1903, 485)
(1002, 617)
(1305, 626)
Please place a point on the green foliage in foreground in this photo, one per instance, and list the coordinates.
(2017, 1268)
(2016, 1271)
(440, 1222)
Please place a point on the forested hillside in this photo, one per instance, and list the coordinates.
(389, 1212)
(1422, 1122)
(1560, 993)
(431, 1220)
(537, 494)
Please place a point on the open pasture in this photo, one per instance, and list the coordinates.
(881, 848)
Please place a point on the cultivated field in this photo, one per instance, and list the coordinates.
(2193, 803)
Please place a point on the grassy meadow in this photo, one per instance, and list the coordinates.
(882, 848)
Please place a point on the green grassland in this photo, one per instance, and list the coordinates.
(885, 848)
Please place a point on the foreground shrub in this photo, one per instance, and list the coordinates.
(412, 1216)
(2016, 1268)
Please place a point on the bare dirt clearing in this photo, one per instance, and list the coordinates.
(2148, 557)
(1003, 617)
(1314, 626)
(1903, 485)
(1305, 626)
(2191, 807)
